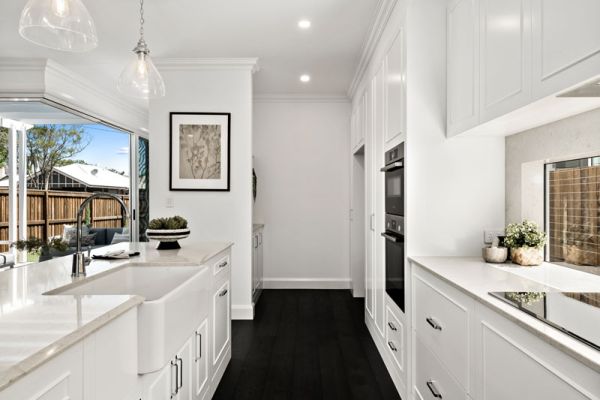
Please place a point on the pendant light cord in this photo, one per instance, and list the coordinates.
(142, 19)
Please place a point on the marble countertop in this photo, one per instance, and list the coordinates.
(35, 327)
(476, 278)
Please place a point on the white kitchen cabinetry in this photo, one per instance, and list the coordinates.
(257, 263)
(566, 44)
(505, 49)
(463, 65)
(370, 236)
(221, 323)
(357, 139)
(102, 366)
(395, 88)
(506, 55)
(201, 366)
(465, 350)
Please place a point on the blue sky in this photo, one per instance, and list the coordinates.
(108, 148)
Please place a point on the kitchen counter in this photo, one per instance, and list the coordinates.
(476, 278)
(35, 327)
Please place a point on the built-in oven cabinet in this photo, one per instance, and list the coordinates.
(505, 55)
(464, 350)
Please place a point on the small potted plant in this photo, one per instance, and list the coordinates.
(41, 248)
(167, 231)
(526, 242)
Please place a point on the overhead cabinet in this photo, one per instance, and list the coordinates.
(505, 55)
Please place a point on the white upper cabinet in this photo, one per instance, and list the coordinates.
(463, 65)
(566, 44)
(505, 56)
(395, 88)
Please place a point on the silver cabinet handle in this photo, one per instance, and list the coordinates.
(392, 326)
(433, 323)
(392, 346)
(223, 293)
(223, 264)
(391, 167)
(174, 364)
(179, 359)
(199, 346)
(389, 237)
(434, 390)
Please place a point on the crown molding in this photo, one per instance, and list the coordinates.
(191, 64)
(382, 16)
(300, 98)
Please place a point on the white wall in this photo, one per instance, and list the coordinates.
(301, 152)
(213, 216)
(526, 153)
(455, 186)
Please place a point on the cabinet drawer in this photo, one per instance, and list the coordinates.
(221, 322)
(394, 337)
(432, 381)
(223, 264)
(442, 323)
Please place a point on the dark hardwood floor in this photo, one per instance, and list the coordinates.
(305, 345)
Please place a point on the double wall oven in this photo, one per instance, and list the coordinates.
(394, 224)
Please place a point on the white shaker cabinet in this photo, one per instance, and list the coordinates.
(463, 65)
(505, 49)
(370, 235)
(201, 367)
(566, 44)
(257, 263)
(221, 324)
(395, 88)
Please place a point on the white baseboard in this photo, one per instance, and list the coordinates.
(242, 312)
(306, 283)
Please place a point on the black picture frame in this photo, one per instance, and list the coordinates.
(177, 188)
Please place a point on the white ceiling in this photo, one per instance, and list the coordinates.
(267, 29)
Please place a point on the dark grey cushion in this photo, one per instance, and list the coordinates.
(100, 235)
(110, 233)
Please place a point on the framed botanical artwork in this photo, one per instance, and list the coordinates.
(199, 148)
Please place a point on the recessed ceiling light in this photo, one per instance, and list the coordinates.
(305, 78)
(304, 24)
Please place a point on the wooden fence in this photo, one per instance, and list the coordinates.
(48, 211)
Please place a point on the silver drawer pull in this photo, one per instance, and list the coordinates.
(392, 346)
(223, 264)
(223, 293)
(433, 323)
(434, 390)
(392, 327)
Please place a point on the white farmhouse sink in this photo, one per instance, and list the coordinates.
(176, 302)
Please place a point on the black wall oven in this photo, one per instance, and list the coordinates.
(394, 180)
(394, 225)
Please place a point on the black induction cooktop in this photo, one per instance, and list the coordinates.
(576, 314)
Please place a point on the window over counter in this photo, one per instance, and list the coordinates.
(50, 161)
(573, 213)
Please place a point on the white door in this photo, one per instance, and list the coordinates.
(566, 44)
(463, 65)
(201, 358)
(185, 360)
(369, 204)
(164, 386)
(395, 89)
(254, 262)
(259, 267)
(505, 56)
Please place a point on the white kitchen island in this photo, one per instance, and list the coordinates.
(64, 337)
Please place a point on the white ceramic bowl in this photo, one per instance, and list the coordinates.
(167, 237)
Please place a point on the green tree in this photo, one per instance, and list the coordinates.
(50, 146)
(3, 147)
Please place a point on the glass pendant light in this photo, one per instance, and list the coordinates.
(58, 24)
(140, 78)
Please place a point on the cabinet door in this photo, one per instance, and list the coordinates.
(379, 114)
(185, 358)
(164, 386)
(566, 44)
(201, 366)
(505, 56)
(463, 65)
(254, 262)
(395, 88)
(221, 323)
